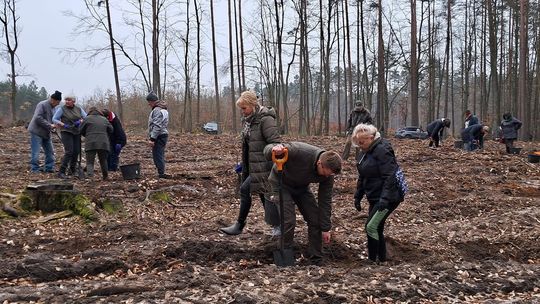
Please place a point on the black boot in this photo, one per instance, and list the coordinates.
(234, 229)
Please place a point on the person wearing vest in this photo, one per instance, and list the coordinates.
(96, 130)
(68, 118)
(40, 129)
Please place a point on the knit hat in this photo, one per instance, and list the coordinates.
(57, 95)
(152, 96)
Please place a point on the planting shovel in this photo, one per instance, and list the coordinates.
(282, 257)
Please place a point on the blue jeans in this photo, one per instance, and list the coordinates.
(158, 153)
(113, 159)
(36, 143)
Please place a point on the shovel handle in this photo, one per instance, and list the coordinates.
(280, 161)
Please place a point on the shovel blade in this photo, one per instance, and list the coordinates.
(284, 257)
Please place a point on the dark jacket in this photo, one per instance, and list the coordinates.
(471, 120)
(96, 130)
(510, 127)
(300, 171)
(118, 136)
(262, 131)
(435, 127)
(42, 119)
(376, 174)
(357, 116)
(473, 132)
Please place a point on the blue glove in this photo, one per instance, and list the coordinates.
(238, 168)
(67, 126)
(77, 123)
(117, 148)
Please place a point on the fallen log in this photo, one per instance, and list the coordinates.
(53, 216)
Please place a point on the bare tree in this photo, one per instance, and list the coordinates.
(10, 31)
(414, 68)
(231, 64)
(198, 19)
(113, 57)
(214, 56)
(523, 103)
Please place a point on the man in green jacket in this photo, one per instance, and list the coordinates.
(306, 164)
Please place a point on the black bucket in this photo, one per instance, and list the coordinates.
(515, 150)
(534, 157)
(131, 171)
(458, 144)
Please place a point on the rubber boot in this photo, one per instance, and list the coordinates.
(234, 229)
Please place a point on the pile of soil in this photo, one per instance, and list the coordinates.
(468, 231)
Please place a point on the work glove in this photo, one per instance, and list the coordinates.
(67, 126)
(77, 123)
(238, 168)
(117, 148)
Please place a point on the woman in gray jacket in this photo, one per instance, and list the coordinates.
(96, 130)
(259, 129)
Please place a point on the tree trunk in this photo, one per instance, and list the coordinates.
(414, 68)
(523, 103)
(214, 55)
(120, 111)
(231, 66)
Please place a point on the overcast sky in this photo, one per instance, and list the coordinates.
(46, 32)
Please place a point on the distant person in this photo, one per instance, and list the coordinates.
(509, 131)
(435, 131)
(357, 116)
(69, 118)
(473, 137)
(470, 119)
(259, 129)
(376, 167)
(40, 129)
(158, 134)
(306, 164)
(96, 130)
(117, 139)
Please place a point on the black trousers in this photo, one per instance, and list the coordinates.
(72, 149)
(375, 231)
(271, 215)
(90, 158)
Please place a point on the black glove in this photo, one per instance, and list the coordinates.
(382, 205)
(357, 204)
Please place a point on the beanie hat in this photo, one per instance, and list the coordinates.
(57, 95)
(152, 96)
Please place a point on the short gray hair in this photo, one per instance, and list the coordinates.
(364, 129)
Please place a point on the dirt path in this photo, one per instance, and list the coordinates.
(467, 232)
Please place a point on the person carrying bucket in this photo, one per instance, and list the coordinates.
(306, 164)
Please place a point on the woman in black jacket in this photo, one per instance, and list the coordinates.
(377, 168)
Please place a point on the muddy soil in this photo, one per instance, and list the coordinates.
(468, 231)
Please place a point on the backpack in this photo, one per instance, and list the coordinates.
(401, 182)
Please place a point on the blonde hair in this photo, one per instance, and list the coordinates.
(248, 98)
(362, 129)
(70, 97)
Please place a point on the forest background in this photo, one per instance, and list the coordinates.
(410, 61)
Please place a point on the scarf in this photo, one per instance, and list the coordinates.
(247, 120)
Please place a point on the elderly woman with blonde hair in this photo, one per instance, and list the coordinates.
(377, 166)
(258, 130)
